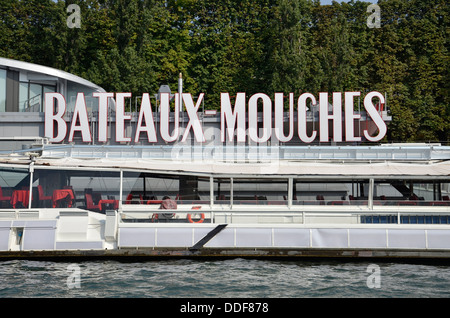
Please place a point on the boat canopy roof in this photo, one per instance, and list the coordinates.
(41, 69)
(279, 168)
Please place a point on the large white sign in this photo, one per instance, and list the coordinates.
(238, 121)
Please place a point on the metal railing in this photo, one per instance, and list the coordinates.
(257, 152)
(438, 215)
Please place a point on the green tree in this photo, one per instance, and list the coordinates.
(288, 46)
(252, 46)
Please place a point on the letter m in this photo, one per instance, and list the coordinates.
(229, 118)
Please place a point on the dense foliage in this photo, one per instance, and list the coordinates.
(249, 46)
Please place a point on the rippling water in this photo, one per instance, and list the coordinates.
(235, 278)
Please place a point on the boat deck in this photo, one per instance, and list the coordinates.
(338, 208)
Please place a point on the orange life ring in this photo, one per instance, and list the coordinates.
(202, 218)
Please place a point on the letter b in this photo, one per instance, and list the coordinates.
(51, 118)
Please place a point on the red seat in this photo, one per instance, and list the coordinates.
(90, 203)
(154, 201)
(20, 196)
(43, 197)
(114, 204)
(130, 196)
(65, 197)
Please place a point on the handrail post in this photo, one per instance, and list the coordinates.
(290, 189)
(30, 194)
(211, 197)
(211, 191)
(370, 198)
(231, 193)
(120, 190)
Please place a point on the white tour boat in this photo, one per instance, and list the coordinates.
(199, 183)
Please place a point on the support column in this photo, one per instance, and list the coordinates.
(370, 195)
(290, 190)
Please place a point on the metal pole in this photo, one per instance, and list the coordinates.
(180, 92)
(370, 195)
(211, 191)
(231, 193)
(31, 185)
(120, 190)
(290, 188)
(211, 197)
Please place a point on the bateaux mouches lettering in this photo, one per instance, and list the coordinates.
(238, 121)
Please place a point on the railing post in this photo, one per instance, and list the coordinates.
(290, 189)
(120, 190)
(231, 193)
(211, 197)
(370, 198)
(211, 191)
(31, 185)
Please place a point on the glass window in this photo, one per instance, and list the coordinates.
(14, 186)
(260, 191)
(72, 91)
(49, 89)
(34, 98)
(222, 188)
(345, 192)
(145, 188)
(31, 96)
(2, 90)
(412, 192)
(92, 190)
(23, 96)
(46, 89)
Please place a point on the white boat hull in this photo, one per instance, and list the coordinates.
(78, 233)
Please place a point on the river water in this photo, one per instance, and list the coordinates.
(231, 278)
